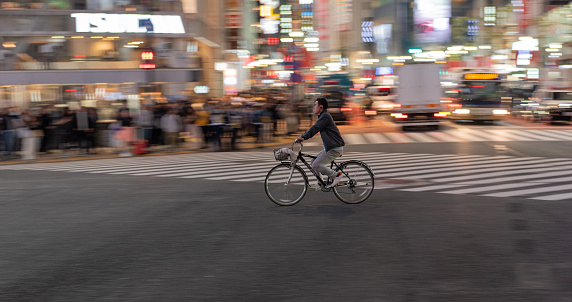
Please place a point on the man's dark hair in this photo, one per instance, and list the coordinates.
(323, 102)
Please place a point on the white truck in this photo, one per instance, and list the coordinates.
(418, 96)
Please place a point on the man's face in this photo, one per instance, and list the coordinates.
(318, 108)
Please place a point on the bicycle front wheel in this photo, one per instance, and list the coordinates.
(356, 184)
(285, 186)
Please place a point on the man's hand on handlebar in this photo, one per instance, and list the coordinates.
(299, 139)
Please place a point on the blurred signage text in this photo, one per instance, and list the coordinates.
(383, 71)
(481, 76)
(202, 89)
(128, 23)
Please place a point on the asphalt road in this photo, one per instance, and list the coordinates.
(113, 237)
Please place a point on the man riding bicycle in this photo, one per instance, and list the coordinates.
(331, 139)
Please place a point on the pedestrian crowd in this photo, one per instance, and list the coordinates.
(201, 124)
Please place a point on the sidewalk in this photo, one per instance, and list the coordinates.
(244, 143)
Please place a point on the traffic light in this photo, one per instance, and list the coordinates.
(147, 59)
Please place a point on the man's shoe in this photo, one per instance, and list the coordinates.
(336, 180)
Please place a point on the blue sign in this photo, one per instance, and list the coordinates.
(383, 71)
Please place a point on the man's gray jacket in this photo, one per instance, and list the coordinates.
(331, 136)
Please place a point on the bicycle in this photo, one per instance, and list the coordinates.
(287, 183)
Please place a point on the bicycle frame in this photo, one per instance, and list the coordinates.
(301, 156)
(289, 191)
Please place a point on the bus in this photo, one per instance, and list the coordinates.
(479, 97)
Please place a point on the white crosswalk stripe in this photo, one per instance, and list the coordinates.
(399, 137)
(376, 138)
(454, 135)
(422, 137)
(467, 136)
(354, 139)
(444, 137)
(535, 178)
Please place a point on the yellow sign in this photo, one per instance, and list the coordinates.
(481, 76)
(266, 10)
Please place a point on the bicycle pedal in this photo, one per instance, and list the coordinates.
(315, 187)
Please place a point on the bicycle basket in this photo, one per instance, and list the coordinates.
(282, 154)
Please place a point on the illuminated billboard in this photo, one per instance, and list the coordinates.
(431, 21)
(127, 23)
(382, 37)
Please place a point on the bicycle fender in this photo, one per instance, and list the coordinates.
(360, 163)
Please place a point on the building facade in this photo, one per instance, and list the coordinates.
(91, 52)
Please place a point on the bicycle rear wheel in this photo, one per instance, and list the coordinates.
(283, 189)
(359, 186)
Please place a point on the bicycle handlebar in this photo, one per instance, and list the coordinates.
(297, 142)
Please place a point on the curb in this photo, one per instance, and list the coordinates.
(245, 146)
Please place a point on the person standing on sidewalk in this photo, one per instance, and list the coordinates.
(82, 128)
(125, 135)
(8, 132)
(31, 140)
(203, 120)
(331, 138)
(92, 135)
(3, 128)
(64, 131)
(145, 121)
(171, 125)
(46, 128)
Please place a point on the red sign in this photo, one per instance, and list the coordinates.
(147, 55)
(233, 20)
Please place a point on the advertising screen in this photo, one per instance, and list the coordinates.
(431, 21)
(382, 37)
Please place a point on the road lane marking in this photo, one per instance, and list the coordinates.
(521, 177)
(529, 191)
(486, 136)
(399, 137)
(442, 136)
(544, 133)
(465, 168)
(432, 188)
(423, 138)
(508, 135)
(489, 176)
(561, 196)
(354, 139)
(564, 135)
(535, 136)
(488, 188)
(465, 136)
(376, 138)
